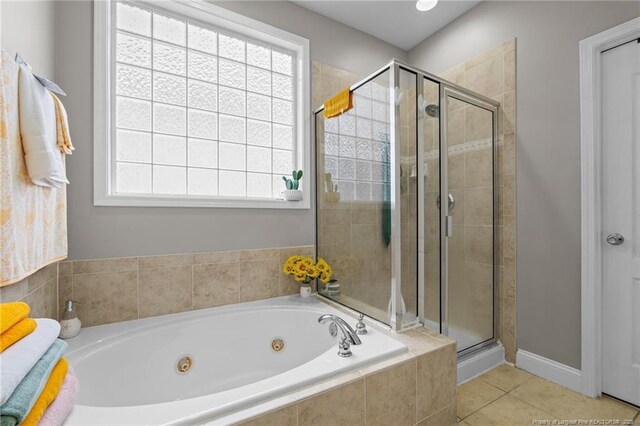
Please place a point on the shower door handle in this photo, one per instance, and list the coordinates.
(449, 226)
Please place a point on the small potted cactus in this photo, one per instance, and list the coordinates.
(292, 193)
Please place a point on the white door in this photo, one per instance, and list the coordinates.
(621, 220)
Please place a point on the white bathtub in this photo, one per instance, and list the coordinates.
(127, 371)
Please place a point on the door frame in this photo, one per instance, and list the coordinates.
(591, 197)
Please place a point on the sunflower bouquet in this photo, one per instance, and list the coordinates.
(304, 270)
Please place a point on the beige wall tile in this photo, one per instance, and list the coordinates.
(215, 285)
(486, 78)
(65, 268)
(44, 301)
(165, 261)
(65, 292)
(478, 168)
(478, 206)
(478, 124)
(164, 291)
(509, 157)
(391, 395)
(509, 109)
(95, 266)
(436, 380)
(42, 276)
(510, 70)
(509, 195)
(216, 257)
(15, 291)
(259, 279)
(107, 297)
(478, 244)
(340, 406)
(287, 416)
(260, 254)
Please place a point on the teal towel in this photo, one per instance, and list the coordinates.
(21, 401)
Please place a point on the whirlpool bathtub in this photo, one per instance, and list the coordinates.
(194, 367)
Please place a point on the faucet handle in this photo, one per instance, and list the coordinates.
(361, 327)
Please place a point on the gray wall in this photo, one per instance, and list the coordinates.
(548, 163)
(35, 44)
(96, 232)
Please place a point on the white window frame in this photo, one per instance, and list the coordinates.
(104, 194)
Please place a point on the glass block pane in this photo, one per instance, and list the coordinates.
(258, 81)
(169, 150)
(331, 166)
(363, 128)
(133, 146)
(282, 63)
(347, 168)
(133, 19)
(203, 67)
(232, 156)
(258, 185)
(363, 149)
(232, 129)
(258, 106)
(331, 125)
(283, 136)
(282, 87)
(232, 48)
(364, 90)
(331, 144)
(277, 185)
(133, 50)
(203, 182)
(259, 159)
(169, 119)
(379, 111)
(258, 133)
(203, 39)
(202, 153)
(203, 95)
(378, 171)
(282, 111)
(379, 92)
(203, 124)
(347, 190)
(282, 162)
(362, 106)
(231, 101)
(363, 191)
(381, 151)
(258, 56)
(381, 131)
(347, 147)
(347, 124)
(169, 88)
(169, 29)
(377, 192)
(133, 178)
(133, 114)
(169, 180)
(132, 81)
(232, 184)
(232, 74)
(363, 170)
(169, 59)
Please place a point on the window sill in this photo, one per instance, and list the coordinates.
(172, 201)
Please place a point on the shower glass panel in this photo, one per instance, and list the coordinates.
(353, 174)
(431, 176)
(470, 210)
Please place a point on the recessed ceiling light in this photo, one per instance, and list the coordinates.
(424, 5)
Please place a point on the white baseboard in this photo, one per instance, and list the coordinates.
(551, 370)
(479, 363)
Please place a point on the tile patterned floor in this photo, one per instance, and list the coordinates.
(509, 396)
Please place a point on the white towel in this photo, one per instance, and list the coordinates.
(17, 360)
(38, 131)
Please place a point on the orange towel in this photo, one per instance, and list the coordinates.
(16, 332)
(340, 103)
(48, 394)
(11, 314)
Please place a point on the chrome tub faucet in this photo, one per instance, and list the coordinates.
(349, 337)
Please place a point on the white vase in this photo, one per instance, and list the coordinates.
(305, 290)
(292, 194)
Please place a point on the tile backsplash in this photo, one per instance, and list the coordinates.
(120, 289)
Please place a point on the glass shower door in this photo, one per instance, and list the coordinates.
(468, 219)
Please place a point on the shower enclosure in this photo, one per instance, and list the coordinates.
(406, 188)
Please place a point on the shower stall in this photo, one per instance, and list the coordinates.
(407, 201)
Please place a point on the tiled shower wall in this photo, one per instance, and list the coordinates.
(492, 74)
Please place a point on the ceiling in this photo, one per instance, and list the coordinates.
(396, 22)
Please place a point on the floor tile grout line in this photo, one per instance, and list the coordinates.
(534, 406)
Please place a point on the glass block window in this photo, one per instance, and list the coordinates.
(357, 145)
(199, 111)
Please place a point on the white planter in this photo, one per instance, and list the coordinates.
(292, 194)
(305, 290)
